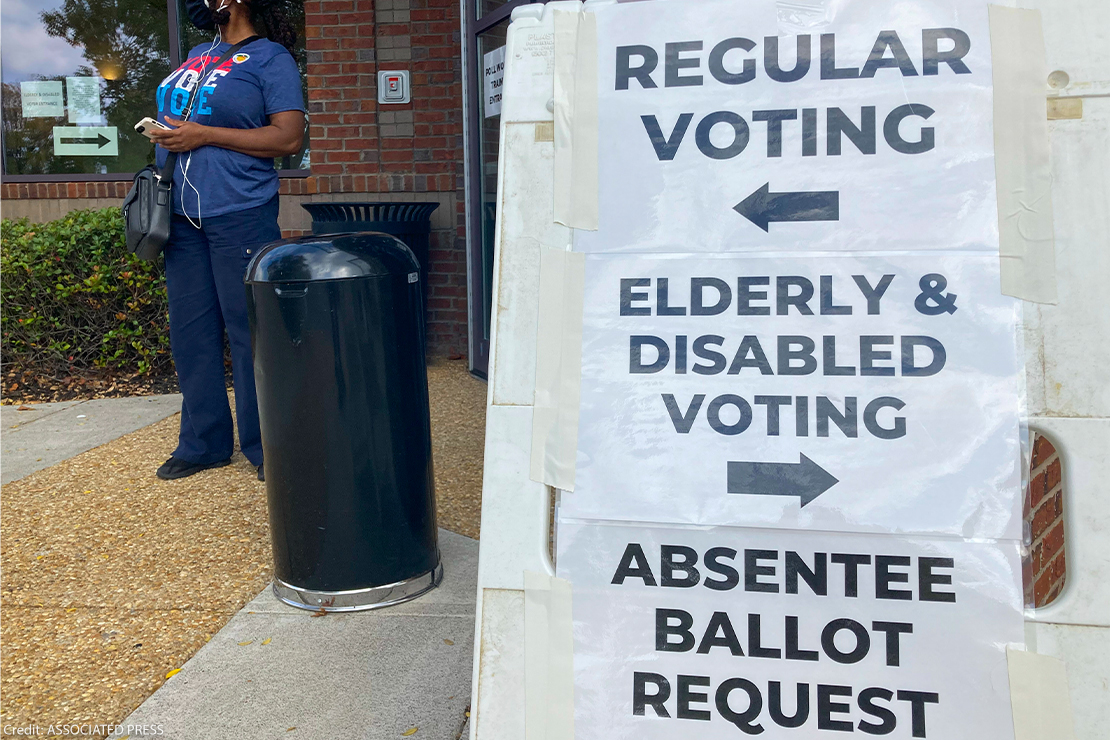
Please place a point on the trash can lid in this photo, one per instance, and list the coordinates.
(331, 257)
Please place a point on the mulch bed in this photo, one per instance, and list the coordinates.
(26, 386)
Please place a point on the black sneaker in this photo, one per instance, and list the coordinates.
(175, 468)
(261, 473)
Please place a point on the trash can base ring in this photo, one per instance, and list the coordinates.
(359, 599)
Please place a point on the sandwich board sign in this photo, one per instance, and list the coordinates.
(797, 499)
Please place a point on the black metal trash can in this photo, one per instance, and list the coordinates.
(410, 222)
(338, 339)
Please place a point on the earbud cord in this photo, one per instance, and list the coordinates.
(189, 157)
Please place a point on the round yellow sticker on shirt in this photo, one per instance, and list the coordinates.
(240, 58)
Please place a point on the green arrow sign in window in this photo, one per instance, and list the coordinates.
(86, 141)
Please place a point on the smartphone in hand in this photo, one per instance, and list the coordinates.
(145, 126)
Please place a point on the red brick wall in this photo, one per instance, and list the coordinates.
(359, 147)
(43, 190)
(1045, 569)
(118, 189)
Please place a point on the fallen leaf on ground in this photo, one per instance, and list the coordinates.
(267, 641)
(448, 642)
(173, 673)
(245, 642)
(24, 408)
(409, 731)
(321, 612)
(290, 729)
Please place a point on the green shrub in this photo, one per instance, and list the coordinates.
(76, 302)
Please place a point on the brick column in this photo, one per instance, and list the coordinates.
(384, 151)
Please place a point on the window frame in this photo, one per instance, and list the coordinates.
(475, 26)
(174, 23)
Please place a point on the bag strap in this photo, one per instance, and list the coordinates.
(170, 167)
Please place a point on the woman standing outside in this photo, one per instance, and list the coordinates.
(248, 111)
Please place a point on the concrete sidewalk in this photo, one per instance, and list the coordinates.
(44, 434)
(345, 676)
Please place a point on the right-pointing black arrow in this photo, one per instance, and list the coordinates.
(805, 479)
(100, 140)
(763, 206)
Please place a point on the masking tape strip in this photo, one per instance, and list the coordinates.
(1039, 696)
(548, 658)
(558, 367)
(576, 119)
(1022, 163)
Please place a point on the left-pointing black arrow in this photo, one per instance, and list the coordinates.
(805, 479)
(100, 140)
(762, 207)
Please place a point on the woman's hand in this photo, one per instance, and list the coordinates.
(184, 137)
(283, 135)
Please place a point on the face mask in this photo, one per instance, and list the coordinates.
(200, 15)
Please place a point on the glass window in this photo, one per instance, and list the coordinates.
(485, 7)
(79, 74)
(190, 37)
(491, 57)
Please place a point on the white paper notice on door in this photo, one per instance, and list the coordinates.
(41, 99)
(83, 97)
(493, 77)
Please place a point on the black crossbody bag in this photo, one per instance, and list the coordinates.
(148, 207)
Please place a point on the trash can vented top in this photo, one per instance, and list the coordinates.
(353, 215)
(336, 257)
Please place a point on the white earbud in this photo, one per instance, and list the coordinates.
(200, 78)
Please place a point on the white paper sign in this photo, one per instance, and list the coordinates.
(83, 99)
(493, 77)
(844, 393)
(715, 133)
(42, 99)
(726, 633)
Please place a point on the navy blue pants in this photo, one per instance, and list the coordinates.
(204, 279)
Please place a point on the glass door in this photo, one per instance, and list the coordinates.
(487, 25)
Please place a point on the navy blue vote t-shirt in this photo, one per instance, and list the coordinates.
(259, 80)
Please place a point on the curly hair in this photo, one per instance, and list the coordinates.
(270, 18)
